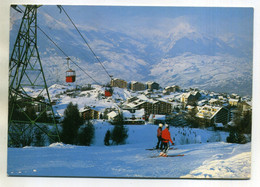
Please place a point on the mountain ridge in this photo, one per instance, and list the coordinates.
(183, 56)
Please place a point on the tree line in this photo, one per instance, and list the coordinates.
(73, 130)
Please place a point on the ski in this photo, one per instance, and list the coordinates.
(159, 149)
(175, 155)
(157, 156)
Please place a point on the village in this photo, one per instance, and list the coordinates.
(141, 103)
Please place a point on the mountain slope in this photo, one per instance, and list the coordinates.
(201, 160)
(153, 51)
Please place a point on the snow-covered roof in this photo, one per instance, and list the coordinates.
(219, 125)
(150, 82)
(212, 100)
(186, 95)
(249, 103)
(143, 97)
(112, 114)
(163, 100)
(207, 110)
(231, 123)
(190, 107)
(202, 102)
(233, 100)
(135, 103)
(137, 113)
(127, 114)
(157, 116)
(193, 92)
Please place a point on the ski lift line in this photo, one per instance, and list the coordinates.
(110, 77)
(68, 56)
(85, 41)
(64, 52)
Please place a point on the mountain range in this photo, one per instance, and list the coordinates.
(178, 55)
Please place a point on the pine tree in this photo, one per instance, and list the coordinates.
(70, 124)
(107, 138)
(40, 136)
(236, 137)
(86, 134)
(119, 133)
(232, 138)
(192, 119)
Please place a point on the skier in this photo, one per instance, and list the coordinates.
(159, 136)
(166, 137)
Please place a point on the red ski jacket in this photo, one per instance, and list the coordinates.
(166, 136)
(159, 132)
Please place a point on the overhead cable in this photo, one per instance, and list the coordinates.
(85, 41)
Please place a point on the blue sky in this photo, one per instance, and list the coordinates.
(216, 21)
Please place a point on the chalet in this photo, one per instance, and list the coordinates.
(88, 113)
(234, 96)
(245, 106)
(118, 83)
(170, 89)
(150, 106)
(190, 98)
(137, 86)
(152, 85)
(214, 114)
(233, 102)
(111, 115)
(189, 107)
(215, 102)
(134, 116)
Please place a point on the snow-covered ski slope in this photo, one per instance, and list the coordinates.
(206, 156)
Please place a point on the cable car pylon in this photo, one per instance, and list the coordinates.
(28, 112)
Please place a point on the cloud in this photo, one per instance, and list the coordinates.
(53, 23)
(14, 16)
(150, 27)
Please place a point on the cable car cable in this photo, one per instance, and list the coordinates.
(68, 56)
(85, 40)
(60, 6)
(62, 51)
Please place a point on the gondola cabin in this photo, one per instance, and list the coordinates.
(108, 93)
(70, 76)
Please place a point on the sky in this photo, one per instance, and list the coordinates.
(222, 20)
(137, 19)
(150, 22)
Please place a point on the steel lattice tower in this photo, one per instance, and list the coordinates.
(28, 109)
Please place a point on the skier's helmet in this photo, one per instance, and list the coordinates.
(160, 125)
(166, 125)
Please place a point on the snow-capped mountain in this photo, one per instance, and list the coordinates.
(174, 54)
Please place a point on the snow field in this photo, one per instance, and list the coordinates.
(202, 159)
(236, 167)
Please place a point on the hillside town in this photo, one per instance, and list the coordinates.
(142, 103)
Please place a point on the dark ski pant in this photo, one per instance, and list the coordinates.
(159, 143)
(166, 147)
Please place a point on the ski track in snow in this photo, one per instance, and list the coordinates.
(201, 160)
